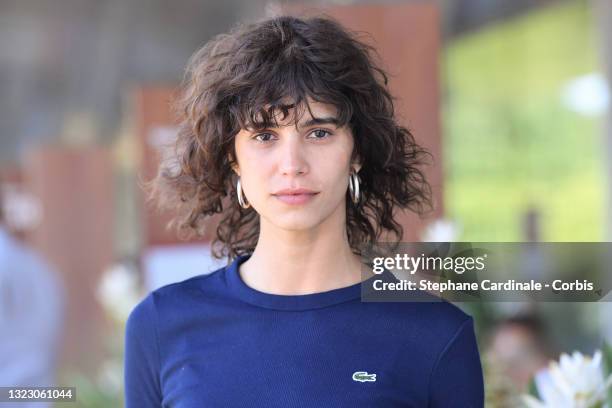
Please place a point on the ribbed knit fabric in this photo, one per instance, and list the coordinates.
(213, 342)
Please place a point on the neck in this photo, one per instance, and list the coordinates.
(301, 262)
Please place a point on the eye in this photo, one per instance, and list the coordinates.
(263, 137)
(320, 133)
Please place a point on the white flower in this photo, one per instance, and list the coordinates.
(577, 381)
(110, 376)
(440, 230)
(119, 291)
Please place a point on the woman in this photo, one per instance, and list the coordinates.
(292, 119)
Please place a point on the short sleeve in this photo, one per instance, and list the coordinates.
(141, 364)
(457, 378)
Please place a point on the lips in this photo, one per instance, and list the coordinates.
(295, 196)
(295, 191)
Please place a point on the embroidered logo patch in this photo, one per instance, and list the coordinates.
(363, 376)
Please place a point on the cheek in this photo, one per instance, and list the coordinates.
(336, 160)
(246, 156)
(332, 171)
(345, 149)
(254, 170)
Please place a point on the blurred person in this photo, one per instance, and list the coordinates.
(31, 315)
(519, 346)
(293, 119)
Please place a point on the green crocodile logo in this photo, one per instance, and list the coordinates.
(363, 376)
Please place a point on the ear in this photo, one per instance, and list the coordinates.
(234, 165)
(356, 164)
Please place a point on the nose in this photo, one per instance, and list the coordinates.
(292, 159)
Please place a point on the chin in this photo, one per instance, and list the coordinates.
(297, 225)
(295, 222)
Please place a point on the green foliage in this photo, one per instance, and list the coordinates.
(91, 395)
(511, 145)
(533, 389)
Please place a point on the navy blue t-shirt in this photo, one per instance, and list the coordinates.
(213, 342)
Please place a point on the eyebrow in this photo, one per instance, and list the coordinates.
(321, 121)
(317, 121)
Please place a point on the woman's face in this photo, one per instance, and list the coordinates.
(315, 157)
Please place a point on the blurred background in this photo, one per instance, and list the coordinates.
(511, 97)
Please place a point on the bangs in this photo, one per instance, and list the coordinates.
(285, 94)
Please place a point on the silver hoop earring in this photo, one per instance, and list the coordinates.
(241, 200)
(354, 187)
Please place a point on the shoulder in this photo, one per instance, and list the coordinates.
(176, 294)
(434, 322)
(444, 314)
(193, 285)
(449, 322)
(430, 308)
(444, 318)
(439, 326)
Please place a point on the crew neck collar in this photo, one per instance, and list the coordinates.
(288, 302)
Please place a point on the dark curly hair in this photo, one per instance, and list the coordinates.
(242, 79)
